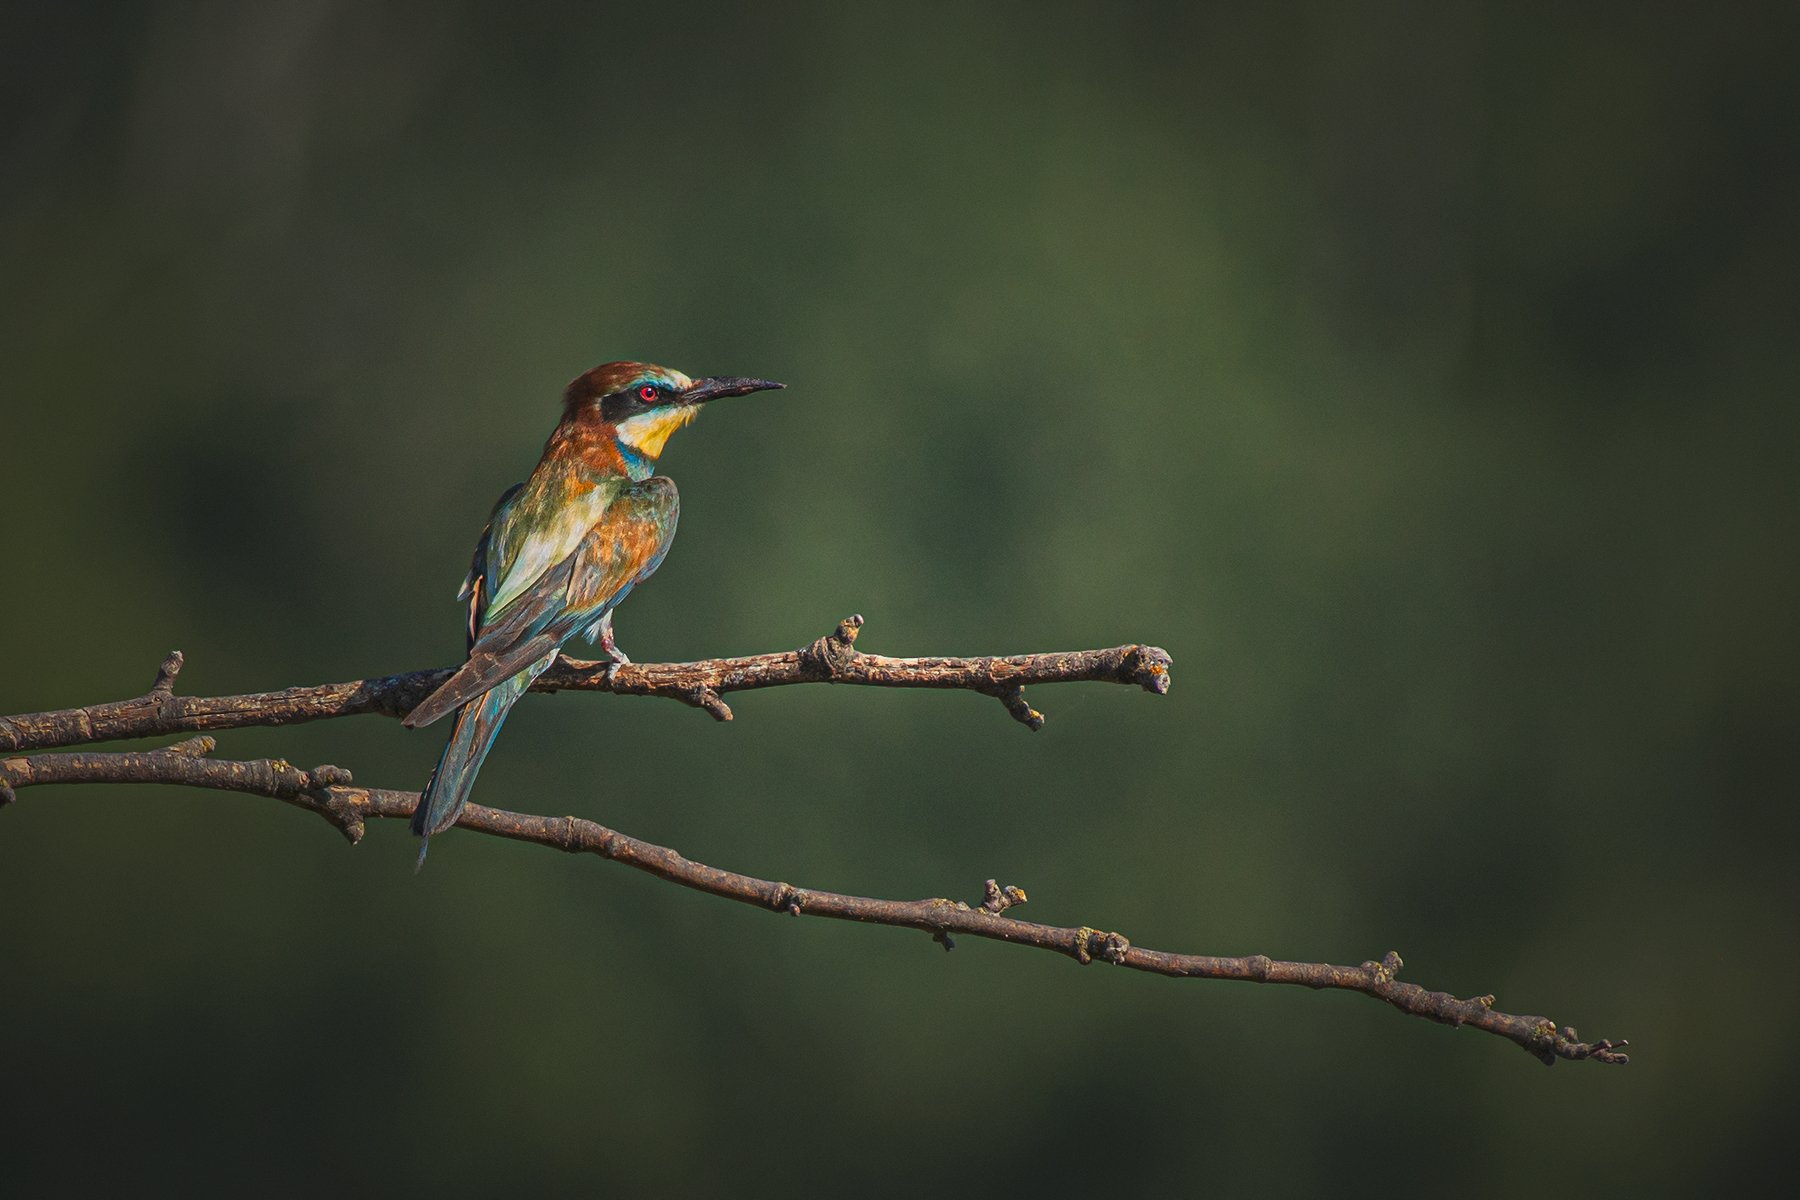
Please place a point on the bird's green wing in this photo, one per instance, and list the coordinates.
(544, 524)
(477, 586)
(620, 551)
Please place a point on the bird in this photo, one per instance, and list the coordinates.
(559, 553)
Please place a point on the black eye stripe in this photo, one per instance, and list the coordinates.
(629, 401)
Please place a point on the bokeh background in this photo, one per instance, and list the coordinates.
(1420, 377)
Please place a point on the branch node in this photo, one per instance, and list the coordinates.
(1260, 965)
(1150, 666)
(327, 776)
(1097, 943)
(998, 899)
(831, 654)
(788, 899)
(1543, 1044)
(702, 696)
(164, 683)
(351, 827)
(339, 807)
(942, 937)
(1387, 969)
(1605, 1050)
(1014, 699)
(1569, 1045)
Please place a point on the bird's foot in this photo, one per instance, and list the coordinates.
(618, 656)
(608, 644)
(611, 647)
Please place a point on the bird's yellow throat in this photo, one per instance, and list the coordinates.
(647, 432)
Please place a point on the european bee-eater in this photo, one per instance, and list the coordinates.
(559, 553)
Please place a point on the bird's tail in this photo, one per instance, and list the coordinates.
(477, 724)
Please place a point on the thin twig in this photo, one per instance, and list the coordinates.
(834, 658)
(328, 791)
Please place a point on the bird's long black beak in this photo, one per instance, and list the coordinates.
(726, 385)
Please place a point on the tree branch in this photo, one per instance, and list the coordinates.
(328, 791)
(834, 658)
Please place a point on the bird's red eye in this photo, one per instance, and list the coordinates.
(646, 392)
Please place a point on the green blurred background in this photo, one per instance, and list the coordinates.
(1421, 378)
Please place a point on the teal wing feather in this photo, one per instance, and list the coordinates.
(486, 565)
